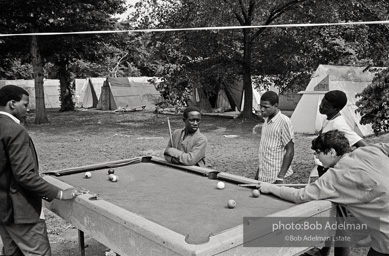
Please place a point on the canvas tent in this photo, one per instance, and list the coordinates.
(88, 91)
(51, 89)
(229, 97)
(128, 92)
(351, 80)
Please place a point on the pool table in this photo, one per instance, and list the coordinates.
(158, 208)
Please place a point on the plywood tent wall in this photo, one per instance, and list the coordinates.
(351, 80)
(51, 89)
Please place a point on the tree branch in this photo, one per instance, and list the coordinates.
(240, 19)
(243, 11)
(251, 9)
(277, 12)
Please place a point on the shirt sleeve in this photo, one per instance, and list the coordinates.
(384, 147)
(319, 190)
(287, 132)
(196, 153)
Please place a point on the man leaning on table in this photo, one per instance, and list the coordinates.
(358, 180)
(22, 225)
(187, 146)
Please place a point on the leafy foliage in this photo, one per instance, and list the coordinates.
(287, 56)
(373, 104)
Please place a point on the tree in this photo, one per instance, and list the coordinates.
(373, 103)
(288, 55)
(47, 16)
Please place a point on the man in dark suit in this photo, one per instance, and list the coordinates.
(22, 226)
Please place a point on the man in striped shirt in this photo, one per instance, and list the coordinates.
(276, 148)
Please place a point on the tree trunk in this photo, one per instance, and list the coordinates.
(246, 70)
(37, 65)
(66, 88)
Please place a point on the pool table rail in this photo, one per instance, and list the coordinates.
(130, 234)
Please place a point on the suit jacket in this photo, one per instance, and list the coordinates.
(21, 186)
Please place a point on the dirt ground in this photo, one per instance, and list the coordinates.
(87, 137)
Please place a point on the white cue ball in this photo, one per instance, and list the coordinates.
(88, 175)
(220, 185)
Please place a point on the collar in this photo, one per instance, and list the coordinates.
(274, 117)
(191, 134)
(10, 116)
(335, 116)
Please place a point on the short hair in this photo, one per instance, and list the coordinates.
(270, 96)
(11, 92)
(332, 139)
(190, 109)
(336, 98)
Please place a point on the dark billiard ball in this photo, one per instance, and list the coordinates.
(111, 171)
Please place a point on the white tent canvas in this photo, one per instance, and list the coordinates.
(88, 95)
(51, 89)
(306, 118)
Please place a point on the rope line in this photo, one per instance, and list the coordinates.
(199, 28)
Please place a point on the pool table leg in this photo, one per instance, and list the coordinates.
(81, 242)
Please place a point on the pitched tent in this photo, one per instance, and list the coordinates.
(232, 97)
(51, 89)
(199, 99)
(128, 92)
(351, 80)
(87, 96)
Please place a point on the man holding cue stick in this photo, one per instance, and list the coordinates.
(187, 146)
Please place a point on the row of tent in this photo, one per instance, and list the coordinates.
(121, 92)
(51, 90)
(306, 117)
(229, 97)
(132, 92)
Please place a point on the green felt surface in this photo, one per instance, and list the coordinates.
(187, 203)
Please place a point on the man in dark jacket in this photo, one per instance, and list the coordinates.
(22, 226)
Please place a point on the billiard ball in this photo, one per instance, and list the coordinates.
(231, 204)
(88, 175)
(255, 193)
(220, 185)
(111, 171)
(113, 177)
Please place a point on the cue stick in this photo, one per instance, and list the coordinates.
(281, 185)
(248, 185)
(170, 130)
